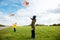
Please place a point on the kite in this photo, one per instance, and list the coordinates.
(12, 15)
(26, 3)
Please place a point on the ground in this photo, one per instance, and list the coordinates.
(24, 33)
(1, 28)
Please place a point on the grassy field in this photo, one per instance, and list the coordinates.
(24, 33)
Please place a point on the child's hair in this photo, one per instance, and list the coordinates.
(34, 17)
(15, 22)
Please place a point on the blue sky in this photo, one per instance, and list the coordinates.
(10, 6)
(47, 12)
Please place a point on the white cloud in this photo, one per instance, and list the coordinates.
(44, 4)
(5, 19)
(4, 3)
(39, 8)
(49, 19)
(57, 10)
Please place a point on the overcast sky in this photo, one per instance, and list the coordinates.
(47, 12)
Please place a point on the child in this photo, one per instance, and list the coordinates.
(14, 26)
(33, 27)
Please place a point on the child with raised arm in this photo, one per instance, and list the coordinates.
(33, 27)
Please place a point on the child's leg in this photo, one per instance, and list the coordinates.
(14, 29)
(33, 34)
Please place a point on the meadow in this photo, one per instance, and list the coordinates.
(24, 33)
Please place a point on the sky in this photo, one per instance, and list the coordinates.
(47, 12)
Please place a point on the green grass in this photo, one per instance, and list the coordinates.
(24, 33)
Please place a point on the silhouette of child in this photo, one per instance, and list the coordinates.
(33, 27)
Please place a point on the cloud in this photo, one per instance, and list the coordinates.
(6, 19)
(57, 10)
(2, 19)
(49, 19)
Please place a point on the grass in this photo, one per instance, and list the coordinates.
(24, 33)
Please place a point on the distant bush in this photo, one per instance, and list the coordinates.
(2, 25)
(37, 25)
(40, 25)
(46, 25)
(56, 24)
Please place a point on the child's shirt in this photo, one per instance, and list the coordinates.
(14, 25)
(33, 22)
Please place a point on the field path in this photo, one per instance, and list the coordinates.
(1, 28)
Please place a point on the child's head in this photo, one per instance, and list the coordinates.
(15, 23)
(34, 17)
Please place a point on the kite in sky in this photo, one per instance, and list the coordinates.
(26, 3)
